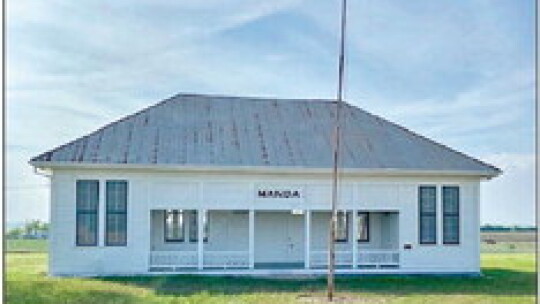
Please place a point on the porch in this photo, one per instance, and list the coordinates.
(214, 240)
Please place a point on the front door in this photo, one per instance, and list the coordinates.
(279, 237)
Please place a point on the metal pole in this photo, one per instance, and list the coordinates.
(337, 135)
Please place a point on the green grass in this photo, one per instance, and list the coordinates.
(26, 245)
(508, 278)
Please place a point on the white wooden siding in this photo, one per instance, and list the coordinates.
(152, 190)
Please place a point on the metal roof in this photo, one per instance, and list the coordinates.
(221, 131)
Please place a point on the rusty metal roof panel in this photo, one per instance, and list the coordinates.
(204, 130)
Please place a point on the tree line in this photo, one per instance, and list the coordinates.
(32, 229)
(489, 227)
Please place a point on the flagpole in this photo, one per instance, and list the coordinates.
(336, 154)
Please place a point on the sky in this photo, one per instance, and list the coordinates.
(458, 71)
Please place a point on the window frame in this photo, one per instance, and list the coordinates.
(79, 212)
(195, 214)
(456, 214)
(181, 212)
(422, 213)
(358, 239)
(108, 212)
(346, 239)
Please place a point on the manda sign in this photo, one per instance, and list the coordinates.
(278, 194)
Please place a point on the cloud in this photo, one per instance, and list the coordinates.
(459, 72)
(26, 197)
(88, 44)
(429, 49)
(497, 112)
(108, 59)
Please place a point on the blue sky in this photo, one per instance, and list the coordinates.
(459, 72)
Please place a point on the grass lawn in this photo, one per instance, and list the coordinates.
(26, 245)
(508, 278)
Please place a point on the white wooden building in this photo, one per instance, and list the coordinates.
(232, 185)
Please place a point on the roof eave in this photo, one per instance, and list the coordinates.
(264, 169)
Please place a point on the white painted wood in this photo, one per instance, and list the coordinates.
(307, 247)
(279, 237)
(181, 259)
(101, 214)
(314, 273)
(354, 243)
(264, 170)
(53, 231)
(226, 259)
(232, 231)
(251, 238)
(389, 222)
(365, 257)
(166, 193)
(200, 238)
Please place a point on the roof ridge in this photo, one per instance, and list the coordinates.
(252, 98)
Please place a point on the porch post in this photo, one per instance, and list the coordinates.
(307, 252)
(354, 238)
(251, 239)
(200, 241)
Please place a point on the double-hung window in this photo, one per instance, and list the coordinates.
(174, 225)
(363, 227)
(116, 213)
(427, 197)
(450, 200)
(342, 227)
(87, 206)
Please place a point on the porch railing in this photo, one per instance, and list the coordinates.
(378, 257)
(370, 257)
(320, 258)
(240, 259)
(189, 259)
(173, 258)
(226, 259)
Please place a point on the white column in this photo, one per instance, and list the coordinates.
(354, 238)
(251, 239)
(101, 213)
(200, 241)
(307, 227)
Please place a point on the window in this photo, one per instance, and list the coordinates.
(87, 202)
(116, 213)
(427, 196)
(363, 227)
(450, 199)
(174, 226)
(194, 227)
(342, 226)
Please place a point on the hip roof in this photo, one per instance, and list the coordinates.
(205, 130)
